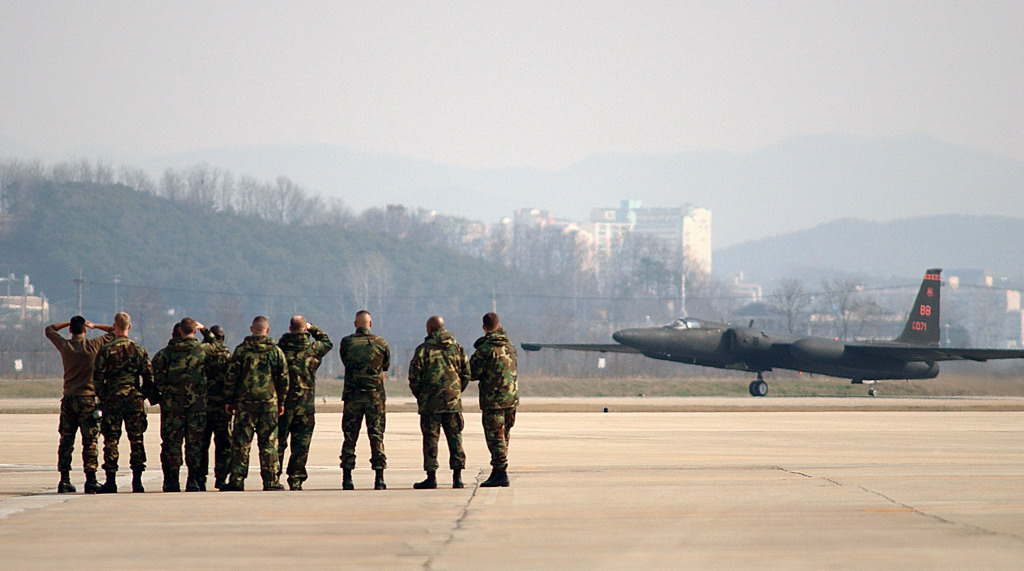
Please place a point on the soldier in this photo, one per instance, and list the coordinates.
(494, 365)
(180, 374)
(304, 346)
(120, 365)
(254, 394)
(366, 357)
(78, 412)
(217, 421)
(438, 373)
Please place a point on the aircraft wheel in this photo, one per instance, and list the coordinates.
(758, 388)
(872, 393)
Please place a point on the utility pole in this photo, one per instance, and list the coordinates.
(117, 304)
(80, 281)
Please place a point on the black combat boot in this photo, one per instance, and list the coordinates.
(171, 480)
(137, 481)
(91, 485)
(219, 483)
(272, 486)
(346, 479)
(497, 479)
(233, 485)
(64, 486)
(202, 483)
(378, 482)
(294, 484)
(429, 484)
(457, 479)
(192, 482)
(110, 486)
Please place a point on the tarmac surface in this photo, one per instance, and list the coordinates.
(819, 483)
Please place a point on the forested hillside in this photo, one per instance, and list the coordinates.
(172, 259)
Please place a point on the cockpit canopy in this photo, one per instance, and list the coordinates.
(685, 323)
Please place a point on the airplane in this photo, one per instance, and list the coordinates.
(912, 355)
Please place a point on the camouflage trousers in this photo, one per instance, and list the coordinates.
(498, 423)
(181, 422)
(295, 425)
(129, 410)
(77, 414)
(358, 407)
(260, 416)
(216, 430)
(431, 425)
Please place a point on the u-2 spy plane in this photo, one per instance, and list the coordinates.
(912, 355)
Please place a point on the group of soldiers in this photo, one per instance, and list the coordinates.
(266, 388)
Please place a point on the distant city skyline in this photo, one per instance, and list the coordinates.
(539, 86)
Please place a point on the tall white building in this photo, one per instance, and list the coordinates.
(687, 229)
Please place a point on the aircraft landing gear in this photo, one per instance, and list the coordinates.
(758, 388)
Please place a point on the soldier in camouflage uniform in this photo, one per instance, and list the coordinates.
(78, 412)
(217, 421)
(180, 374)
(438, 373)
(254, 393)
(304, 346)
(119, 367)
(494, 365)
(366, 357)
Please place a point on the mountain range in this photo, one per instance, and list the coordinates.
(895, 251)
(795, 185)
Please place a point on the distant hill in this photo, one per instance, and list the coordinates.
(794, 185)
(224, 267)
(896, 249)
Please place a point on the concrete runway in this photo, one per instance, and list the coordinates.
(825, 488)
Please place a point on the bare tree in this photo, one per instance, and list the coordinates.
(840, 302)
(792, 300)
(136, 178)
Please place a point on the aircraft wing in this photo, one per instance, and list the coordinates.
(598, 348)
(928, 353)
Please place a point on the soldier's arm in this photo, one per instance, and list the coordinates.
(415, 370)
(322, 344)
(52, 333)
(207, 336)
(148, 387)
(386, 363)
(100, 326)
(279, 370)
(99, 373)
(229, 383)
(464, 372)
(477, 364)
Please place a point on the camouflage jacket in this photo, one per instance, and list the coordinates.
(216, 371)
(120, 366)
(494, 365)
(179, 370)
(257, 371)
(438, 373)
(303, 352)
(366, 356)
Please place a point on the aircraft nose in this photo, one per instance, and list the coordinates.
(628, 337)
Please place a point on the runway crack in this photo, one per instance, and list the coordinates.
(908, 507)
(429, 564)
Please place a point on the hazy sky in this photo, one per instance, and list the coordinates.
(484, 84)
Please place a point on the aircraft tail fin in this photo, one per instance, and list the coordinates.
(923, 323)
